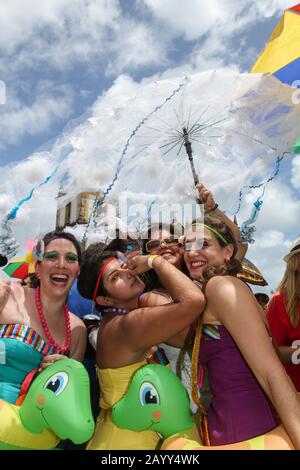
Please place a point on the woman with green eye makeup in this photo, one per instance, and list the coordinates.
(36, 327)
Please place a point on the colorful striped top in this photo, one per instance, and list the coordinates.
(27, 335)
(210, 331)
(21, 350)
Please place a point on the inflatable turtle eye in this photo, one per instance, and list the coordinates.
(57, 383)
(148, 394)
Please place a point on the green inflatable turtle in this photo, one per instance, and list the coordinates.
(57, 406)
(156, 400)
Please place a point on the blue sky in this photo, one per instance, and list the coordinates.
(57, 57)
(35, 77)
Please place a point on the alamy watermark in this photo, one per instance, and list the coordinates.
(2, 92)
(2, 353)
(132, 216)
(296, 354)
(296, 94)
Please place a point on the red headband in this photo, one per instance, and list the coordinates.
(100, 275)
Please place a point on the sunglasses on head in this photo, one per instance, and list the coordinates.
(156, 244)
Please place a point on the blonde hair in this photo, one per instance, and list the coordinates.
(288, 287)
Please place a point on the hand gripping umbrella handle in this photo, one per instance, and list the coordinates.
(189, 151)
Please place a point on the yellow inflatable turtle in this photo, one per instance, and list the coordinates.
(57, 406)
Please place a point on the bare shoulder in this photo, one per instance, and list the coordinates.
(5, 290)
(78, 328)
(76, 321)
(221, 285)
(5, 287)
(151, 299)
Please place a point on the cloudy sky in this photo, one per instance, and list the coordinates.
(59, 58)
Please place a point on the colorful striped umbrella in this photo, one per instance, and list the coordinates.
(281, 56)
(18, 268)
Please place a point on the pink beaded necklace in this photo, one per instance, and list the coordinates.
(53, 343)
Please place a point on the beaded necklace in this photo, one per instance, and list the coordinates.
(120, 311)
(61, 349)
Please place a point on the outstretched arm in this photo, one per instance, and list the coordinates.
(235, 307)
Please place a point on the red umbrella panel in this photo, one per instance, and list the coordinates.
(18, 268)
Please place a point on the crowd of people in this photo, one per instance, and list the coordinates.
(174, 299)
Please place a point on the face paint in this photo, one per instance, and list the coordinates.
(54, 256)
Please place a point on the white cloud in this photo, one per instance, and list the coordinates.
(296, 172)
(277, 225)
(58, 34)
(221, 29)
(268, 8)
(51, 104)
(267, 254)
(36, 216)
(192, 18)
(63, 17)
(196, 18)
(280, 209)
(136, 45)
(271, 239)
(65, 32)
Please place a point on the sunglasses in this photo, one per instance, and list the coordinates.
(132, 246)
(152, 245)
(195, 245)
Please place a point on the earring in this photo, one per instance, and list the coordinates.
(107, 301)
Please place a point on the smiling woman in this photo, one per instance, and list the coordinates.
(128, 333)
(35, 324)
(245, 374)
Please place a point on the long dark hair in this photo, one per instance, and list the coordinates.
(233, 266)
(94, 259)
(48, 238)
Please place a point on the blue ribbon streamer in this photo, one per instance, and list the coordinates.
(13, 213)
(246, 230)
(98, 203)
(260, 185)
